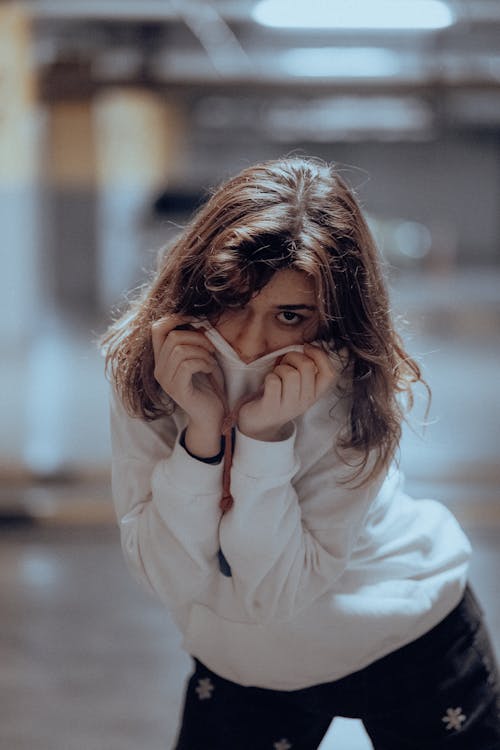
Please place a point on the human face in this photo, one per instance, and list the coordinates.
(283, 313)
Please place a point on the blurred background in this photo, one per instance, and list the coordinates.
(116, 116)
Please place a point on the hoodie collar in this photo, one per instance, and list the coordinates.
(233, 361)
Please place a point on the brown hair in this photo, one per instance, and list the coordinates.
(290, 213)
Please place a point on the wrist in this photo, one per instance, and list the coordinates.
(213, 459)
(201, 441)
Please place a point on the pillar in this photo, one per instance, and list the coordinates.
(19, 214)
(70, 207)
(140, 149)
(19, 129)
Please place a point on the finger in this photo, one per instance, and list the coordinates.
(162, 327)
(177, 351)
(321, 357)
(285, 372)
(304, 364)
(179, 386)
(176, 338)
(291, 381)
(189, 367)
(172, 358)
(173, 378)
(327, 371)
(308, 370)
(272, 390)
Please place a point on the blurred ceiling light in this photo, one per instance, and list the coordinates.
(349, 118)
(354, 14)
(354, 62)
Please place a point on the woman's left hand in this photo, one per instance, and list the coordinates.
(289, 390)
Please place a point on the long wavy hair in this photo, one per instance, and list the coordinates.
(292, 213)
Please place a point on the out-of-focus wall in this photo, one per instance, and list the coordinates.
(452, 181)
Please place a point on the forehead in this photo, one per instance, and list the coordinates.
(288, 287)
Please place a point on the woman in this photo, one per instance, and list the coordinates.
(259, 390)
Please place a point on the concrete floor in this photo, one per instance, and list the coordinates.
(91, 662)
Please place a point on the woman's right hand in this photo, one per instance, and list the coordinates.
(179, 355)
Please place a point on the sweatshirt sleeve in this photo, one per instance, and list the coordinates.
(287, 541)
(167, 506)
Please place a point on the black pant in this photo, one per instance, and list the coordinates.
(439, 691)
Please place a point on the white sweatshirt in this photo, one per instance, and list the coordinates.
(326, 578)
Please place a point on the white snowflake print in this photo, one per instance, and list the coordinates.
(454, 718)
(205, 688)
(282, 745)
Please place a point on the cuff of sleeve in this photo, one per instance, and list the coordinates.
(213, 459)
(192, 476)
(258, 458)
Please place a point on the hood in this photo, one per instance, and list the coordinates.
(241, 378)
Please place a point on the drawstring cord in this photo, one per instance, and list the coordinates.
(229, 423)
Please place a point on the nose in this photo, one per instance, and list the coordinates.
(250, 339)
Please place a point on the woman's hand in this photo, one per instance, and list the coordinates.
(179, 356)
(292, 387)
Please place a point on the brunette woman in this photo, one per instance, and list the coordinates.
(259, 388)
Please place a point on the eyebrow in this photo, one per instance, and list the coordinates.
(296, 307)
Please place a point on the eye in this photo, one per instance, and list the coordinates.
(290, 318)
